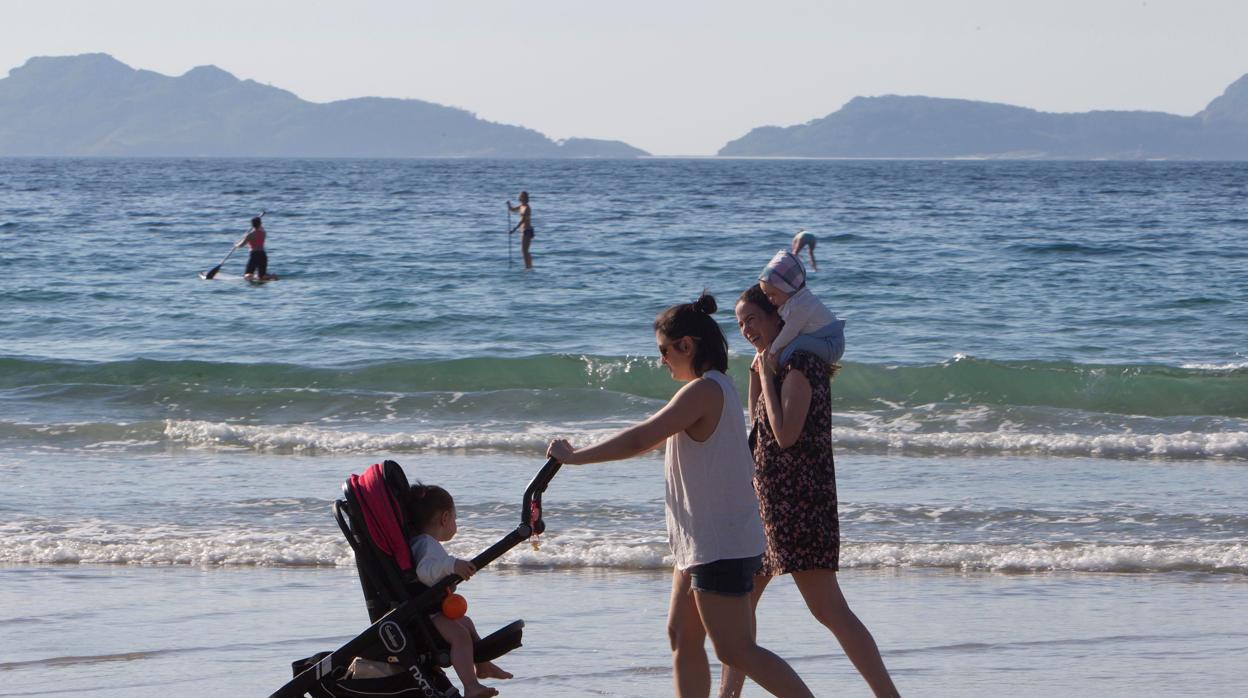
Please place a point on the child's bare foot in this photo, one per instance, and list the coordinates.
(490, 670)
(479, 691)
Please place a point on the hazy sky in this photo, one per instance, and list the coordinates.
(673, 77)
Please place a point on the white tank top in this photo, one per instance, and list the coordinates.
(712, 511)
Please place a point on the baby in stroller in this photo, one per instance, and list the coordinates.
(431, 514)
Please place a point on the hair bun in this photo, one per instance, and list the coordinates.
(705, 304)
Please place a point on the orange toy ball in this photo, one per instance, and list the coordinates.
(454, 606)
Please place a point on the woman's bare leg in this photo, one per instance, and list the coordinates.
(729, 622)
(731, 681)
(827, 604)
(691, 671)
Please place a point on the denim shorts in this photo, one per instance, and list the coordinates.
(734, 577)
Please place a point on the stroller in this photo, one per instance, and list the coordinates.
(401, 634)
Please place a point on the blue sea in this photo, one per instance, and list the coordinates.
(1041, 427)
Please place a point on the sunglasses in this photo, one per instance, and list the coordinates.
(664, 347)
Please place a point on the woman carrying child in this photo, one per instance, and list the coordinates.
(713, 525)
(432, 513)
(795, 477)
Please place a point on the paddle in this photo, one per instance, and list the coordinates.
(509, 232)
(213, 271)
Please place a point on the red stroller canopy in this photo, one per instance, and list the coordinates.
(383, 515)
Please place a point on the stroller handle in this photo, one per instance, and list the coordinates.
(531, 509)
(530, 518)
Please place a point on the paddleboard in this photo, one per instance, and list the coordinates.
(229, 277)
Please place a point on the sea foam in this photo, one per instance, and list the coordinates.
(99, 543)
(867, 439)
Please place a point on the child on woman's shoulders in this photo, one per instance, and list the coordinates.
(808, 324)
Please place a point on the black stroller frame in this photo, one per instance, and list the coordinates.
(401, 633)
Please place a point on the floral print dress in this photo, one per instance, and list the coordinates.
(796, 486)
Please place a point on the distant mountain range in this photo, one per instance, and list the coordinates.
(927, 127)
(94, 104)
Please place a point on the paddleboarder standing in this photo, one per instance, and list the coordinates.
(805, 240)
(258, 262)
(525, 226)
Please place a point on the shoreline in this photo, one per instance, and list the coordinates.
(941, 633)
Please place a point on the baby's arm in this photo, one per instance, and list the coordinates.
(435, 564)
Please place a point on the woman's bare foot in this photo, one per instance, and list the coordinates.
(479, 691)
(490, 670)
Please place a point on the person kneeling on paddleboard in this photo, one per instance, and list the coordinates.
(258, 262)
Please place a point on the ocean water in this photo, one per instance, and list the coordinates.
(1041, 429)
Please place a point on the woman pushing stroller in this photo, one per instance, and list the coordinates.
(713, 523)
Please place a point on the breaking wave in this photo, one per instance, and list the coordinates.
(173, 545)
